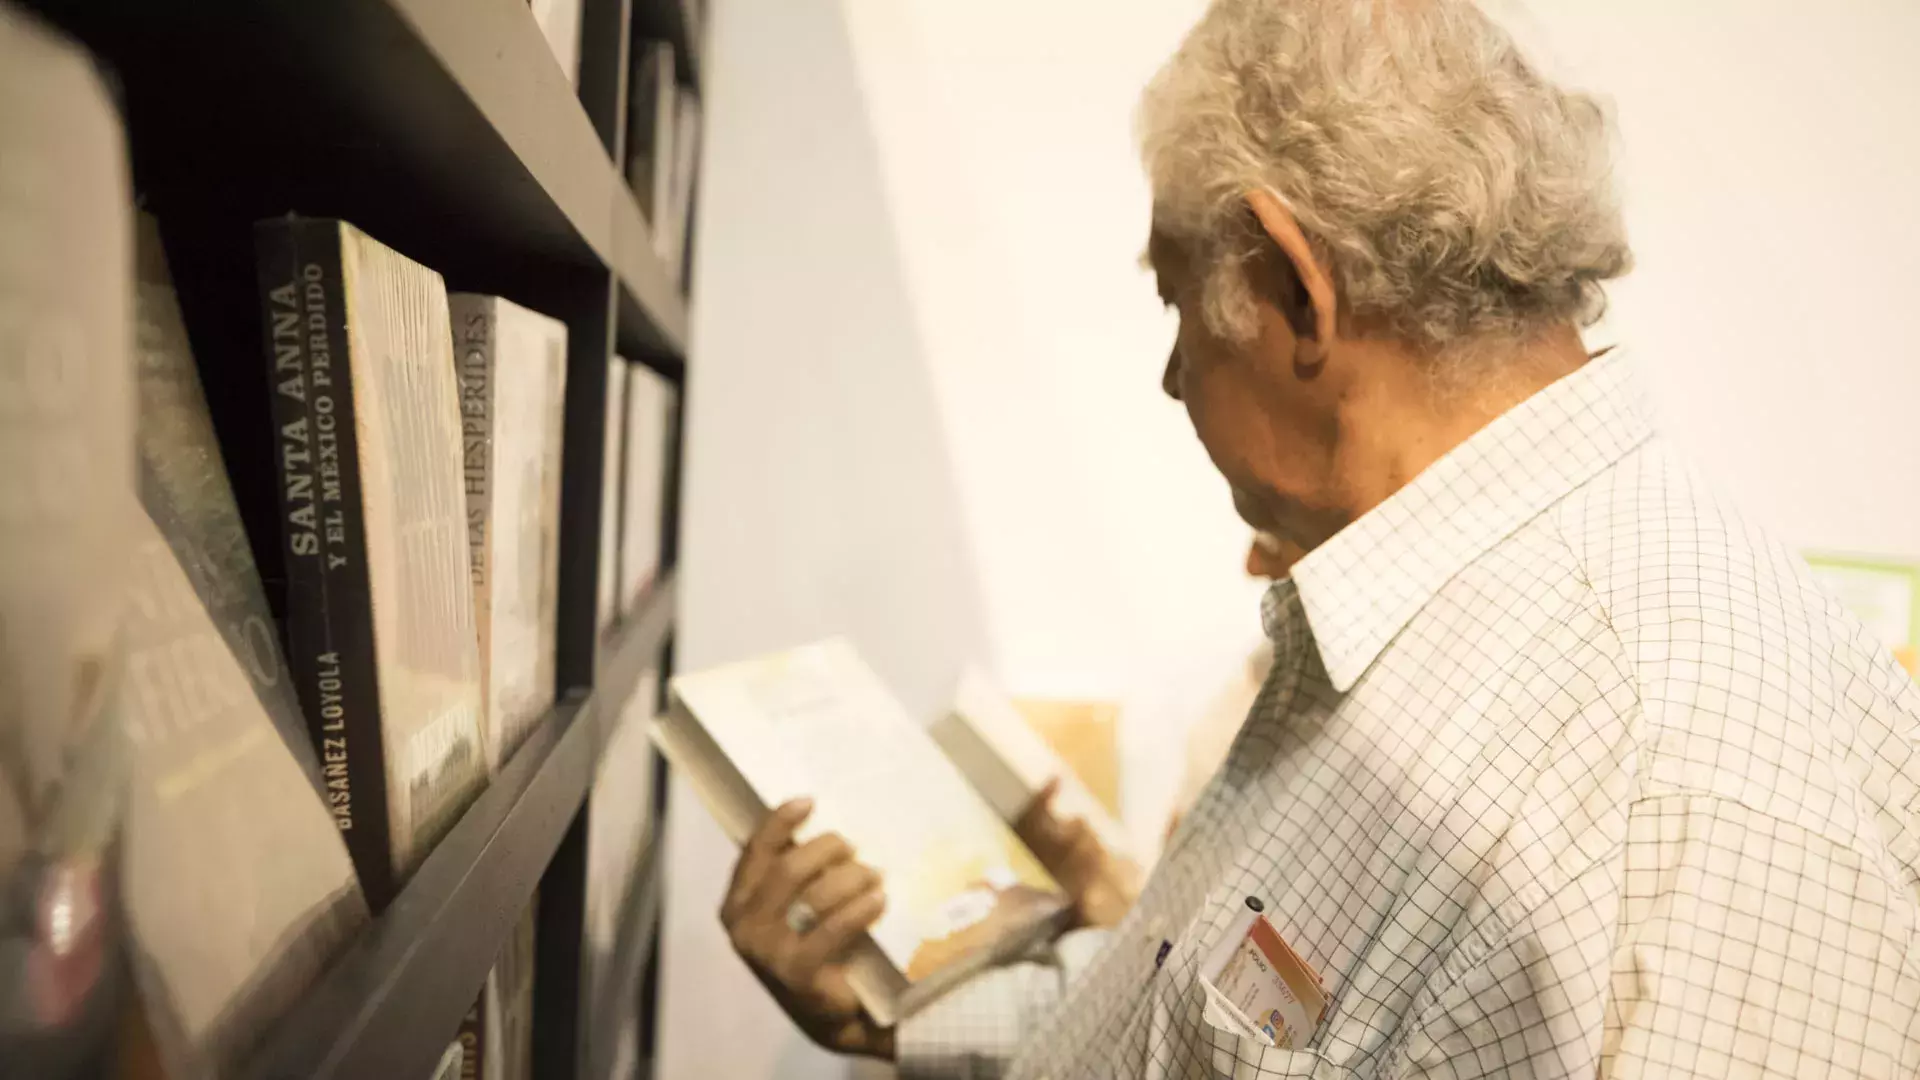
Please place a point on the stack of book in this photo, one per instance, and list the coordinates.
(420, 439)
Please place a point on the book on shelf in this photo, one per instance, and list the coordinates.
(496, 1037)
(962, 891)
(66, 436)
(239, 890)
(559, 22)
(513, 372)
(651, 103)
(619, 823)
(672, 239)
(1008, 762)
(626, 1048)
(649, 436)
(607, 591)
(380, 628)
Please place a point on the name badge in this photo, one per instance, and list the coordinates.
(1259, 987)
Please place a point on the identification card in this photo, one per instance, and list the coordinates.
(1260, 986)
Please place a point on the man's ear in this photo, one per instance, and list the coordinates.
(1284, 230)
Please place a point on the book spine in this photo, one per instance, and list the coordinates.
(329, 598)
(475, 342)
(473, 1036)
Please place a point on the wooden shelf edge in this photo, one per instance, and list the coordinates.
(394, 999)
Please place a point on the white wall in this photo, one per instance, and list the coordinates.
(1771, 164)
(925, 401)
(819, 488)
(1110, 555)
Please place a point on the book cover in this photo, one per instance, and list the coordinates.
(644, 484)
(66, 507)
(1009, 762)
(650, 109)
(606, 599)
(513, 371)
(962, 890)
(380, 630)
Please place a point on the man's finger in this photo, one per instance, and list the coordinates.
(795, 868)
(761, 852)
(837, 931)
(1037, 824)
(838, 885)
(1040, 810)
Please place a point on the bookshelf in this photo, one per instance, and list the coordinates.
(446, 129)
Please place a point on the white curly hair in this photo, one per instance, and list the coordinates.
(1456, 194)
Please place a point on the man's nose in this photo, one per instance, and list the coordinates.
(1170, 378)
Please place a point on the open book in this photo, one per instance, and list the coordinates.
(962, 890)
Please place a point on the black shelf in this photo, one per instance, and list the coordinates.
(394, 1001)
(443, 127)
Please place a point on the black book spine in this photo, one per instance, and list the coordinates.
(322, 524)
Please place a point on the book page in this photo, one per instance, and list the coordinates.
(816, 722)
(407, 411)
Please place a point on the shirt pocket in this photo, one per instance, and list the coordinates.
(1233, 1056)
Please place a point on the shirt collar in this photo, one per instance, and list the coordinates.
(1361, 587)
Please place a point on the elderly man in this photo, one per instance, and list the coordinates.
(1564, 768)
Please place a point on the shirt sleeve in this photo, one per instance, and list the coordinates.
(973, 1031)
(1751, 946)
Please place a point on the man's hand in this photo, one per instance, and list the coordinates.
(1103, 886)
(804, 968)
